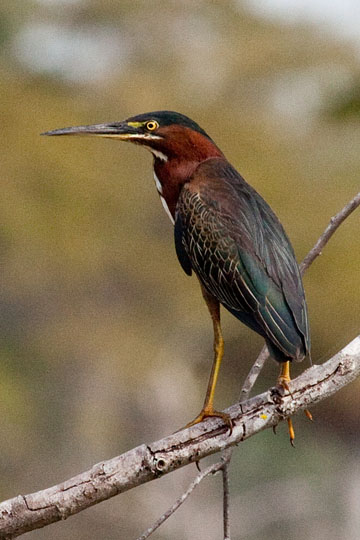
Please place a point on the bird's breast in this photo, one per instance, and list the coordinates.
(170, 177)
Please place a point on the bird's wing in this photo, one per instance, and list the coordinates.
(180, 247)
(231, 238)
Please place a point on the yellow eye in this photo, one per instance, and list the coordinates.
(152, 125)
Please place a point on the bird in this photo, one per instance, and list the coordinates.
(226, 234)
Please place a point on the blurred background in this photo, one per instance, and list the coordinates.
(105, 342)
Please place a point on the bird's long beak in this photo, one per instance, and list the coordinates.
(116, 130)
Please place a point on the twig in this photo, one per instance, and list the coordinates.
(209, 470)
(225, 458)
(148, 462)
(226, 454)
(254, 373)
(212, 469)
(334, 223)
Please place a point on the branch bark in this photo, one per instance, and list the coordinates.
(148, 462)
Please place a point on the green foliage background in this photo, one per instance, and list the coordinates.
(105, 342)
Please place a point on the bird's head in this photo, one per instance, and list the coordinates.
(167, 134)
(177, 143)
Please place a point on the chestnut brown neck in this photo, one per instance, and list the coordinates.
(183, 154)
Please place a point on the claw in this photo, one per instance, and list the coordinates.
(283, 382)
(207, 413)
(291, 432)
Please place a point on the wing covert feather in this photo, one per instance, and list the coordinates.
(240, 251)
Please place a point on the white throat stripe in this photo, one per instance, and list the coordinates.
(164, 203)
(166, 208)
(158, 184)
(158, 154)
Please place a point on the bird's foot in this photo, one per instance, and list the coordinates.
(291, 427)
(283, 382)
(210, 412)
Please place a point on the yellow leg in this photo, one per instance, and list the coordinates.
(283, 380)
(208, 407)
(284, 376)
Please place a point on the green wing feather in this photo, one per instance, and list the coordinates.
(231, 238)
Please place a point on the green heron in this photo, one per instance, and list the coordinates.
(226, 234)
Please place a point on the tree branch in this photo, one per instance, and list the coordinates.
(144, 463)
(225, 460)
(334, 223)
(148, 462)
(254, 373)
(212, 469)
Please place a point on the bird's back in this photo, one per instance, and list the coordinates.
(230, 237)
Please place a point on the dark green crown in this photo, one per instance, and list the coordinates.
(168, 118)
